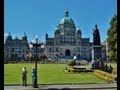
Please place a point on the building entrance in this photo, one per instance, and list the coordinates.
(67, 52)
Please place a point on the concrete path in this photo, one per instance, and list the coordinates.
(110, 86)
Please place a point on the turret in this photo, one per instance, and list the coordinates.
(9, 37)
(57, 32)
(79, 34)
(24, 36)
(46, 36)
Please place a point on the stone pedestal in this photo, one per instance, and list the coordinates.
(96, 52)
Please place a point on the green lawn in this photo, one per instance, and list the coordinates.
(47, 74)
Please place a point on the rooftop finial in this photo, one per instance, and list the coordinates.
(24, 34)
(9, 33)
(66, 13)
(96, 26)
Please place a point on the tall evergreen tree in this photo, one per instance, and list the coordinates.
(112, 39)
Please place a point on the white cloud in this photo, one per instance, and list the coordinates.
(5, 34)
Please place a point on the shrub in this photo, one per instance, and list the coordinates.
(5, 61)
(71, 62)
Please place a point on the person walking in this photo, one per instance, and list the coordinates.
(106, 68)
(33, 76)
(24, 76)
(92, 63)
(110, 69)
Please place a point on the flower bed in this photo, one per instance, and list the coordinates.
(76, 69)
(104, 75)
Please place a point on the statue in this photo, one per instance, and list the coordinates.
(96, 36)
(25, 34)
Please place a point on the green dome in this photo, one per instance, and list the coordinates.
(66, 19)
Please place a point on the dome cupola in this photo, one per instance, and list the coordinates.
(66, 26)
(66, 19)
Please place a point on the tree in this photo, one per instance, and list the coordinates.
(112, 39)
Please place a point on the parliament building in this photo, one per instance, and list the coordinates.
(16, 49)
(68, 42)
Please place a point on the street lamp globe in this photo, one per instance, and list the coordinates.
(42, 46)
(30, 46)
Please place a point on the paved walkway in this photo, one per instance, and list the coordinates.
(110, 86)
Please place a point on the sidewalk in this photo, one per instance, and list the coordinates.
(110, 86)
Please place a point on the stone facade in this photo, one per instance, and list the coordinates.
(104, 51)
(68, 41)
(16, 49)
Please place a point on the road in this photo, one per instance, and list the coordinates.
(101, 86)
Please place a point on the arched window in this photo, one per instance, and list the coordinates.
(70, 42)
(78, 49)
(67, 38)
(23, 55)
(12, 49)
(74, 42)
(56, 49)
(12, 56)
(64, 42)
(50, 49)
(78, 42)
(67, 41)
(15, 55)
(61, 42)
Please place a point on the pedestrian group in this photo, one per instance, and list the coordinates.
(24, 76)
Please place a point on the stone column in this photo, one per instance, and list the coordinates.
(96, 52)
(92, 53)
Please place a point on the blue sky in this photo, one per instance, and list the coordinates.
(42, 16)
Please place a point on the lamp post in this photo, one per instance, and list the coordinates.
(30, 51)
(36, 44)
